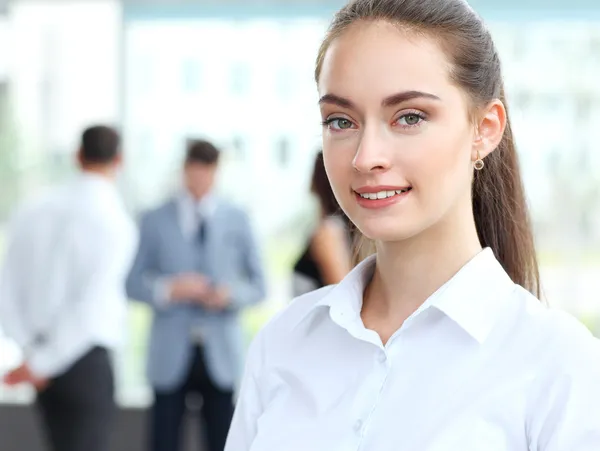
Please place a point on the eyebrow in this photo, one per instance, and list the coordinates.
(332, 99)
(392, 100)
(401, 97)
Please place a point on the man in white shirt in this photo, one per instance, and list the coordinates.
(62, 297)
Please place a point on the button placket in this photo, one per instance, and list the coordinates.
(358, 425)
(381, 373)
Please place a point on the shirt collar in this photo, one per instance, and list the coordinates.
(98, 183)
(472, 298)
(475, 296)
(206, 206)
(91, 178)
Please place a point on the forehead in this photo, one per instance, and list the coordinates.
(199, 167)
(375, 59)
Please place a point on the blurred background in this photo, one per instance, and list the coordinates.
(240, 73)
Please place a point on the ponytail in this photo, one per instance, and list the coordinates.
(501, 213)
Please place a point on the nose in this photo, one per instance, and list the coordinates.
(373, 153)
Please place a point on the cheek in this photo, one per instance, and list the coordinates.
(338, 165)
(441, 170)
(200, 184)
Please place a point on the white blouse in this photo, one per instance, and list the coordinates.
(482, 365)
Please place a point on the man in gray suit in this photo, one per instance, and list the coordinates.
(197, 266)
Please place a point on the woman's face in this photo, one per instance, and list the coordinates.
(397, 140)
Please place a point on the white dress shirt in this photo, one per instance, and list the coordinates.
(62, 283)
(191, 212)
(481, 366)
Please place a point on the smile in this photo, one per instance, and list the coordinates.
(383, 194)
(381, 197)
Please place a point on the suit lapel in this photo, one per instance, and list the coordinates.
(174, 215)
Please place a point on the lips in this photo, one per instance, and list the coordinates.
(377, 197)
(383, 194)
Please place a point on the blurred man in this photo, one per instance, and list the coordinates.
(62, 296)
(198, 267)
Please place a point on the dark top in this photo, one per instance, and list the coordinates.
(307, 268)
(307, 275)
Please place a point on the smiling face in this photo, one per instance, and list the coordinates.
(398, 143)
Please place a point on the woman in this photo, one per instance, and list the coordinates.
(437, 342)
(326, 259)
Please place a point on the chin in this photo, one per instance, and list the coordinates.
(387, 229)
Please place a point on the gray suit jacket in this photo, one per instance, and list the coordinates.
(235, 263)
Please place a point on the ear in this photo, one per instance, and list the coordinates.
(118, 161)
(490, 130)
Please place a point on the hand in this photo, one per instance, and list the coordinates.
(217, 299)
(189, 287)
(23, 375)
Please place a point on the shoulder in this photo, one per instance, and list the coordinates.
(573, 345)
(234, 215)
(231, 209)
(156, 214)
(109, 229)
(45, 200)
(35, 209)
(562, 341)
(550, 320)
(282, 329)
(563, 361)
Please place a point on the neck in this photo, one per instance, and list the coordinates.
(103, 171)
(410, 271)
(196, 198)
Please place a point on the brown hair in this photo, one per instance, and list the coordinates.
(100, 144)
(201, 152)
(499, 204)
(321, 187)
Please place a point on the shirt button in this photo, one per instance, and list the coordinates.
(358, 425)
(382, 357)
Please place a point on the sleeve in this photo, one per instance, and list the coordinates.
(12, 278)
(567, 410)
(98, 268)
(249, 286)
(249, 406)
(143, 283)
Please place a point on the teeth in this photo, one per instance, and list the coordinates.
(382, 194)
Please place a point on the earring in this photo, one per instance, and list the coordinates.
(479, 164)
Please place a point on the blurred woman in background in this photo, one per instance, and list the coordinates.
(326, 259)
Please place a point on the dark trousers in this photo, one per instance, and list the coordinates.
(167, 413)
(77, 407)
